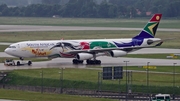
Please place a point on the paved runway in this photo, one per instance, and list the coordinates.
(106, 61)
(20, 28)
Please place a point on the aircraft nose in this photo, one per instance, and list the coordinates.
(7, 51)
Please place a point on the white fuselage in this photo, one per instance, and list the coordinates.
(29, 49)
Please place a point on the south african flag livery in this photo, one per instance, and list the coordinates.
(150, 29)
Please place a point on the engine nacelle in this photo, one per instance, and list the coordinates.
(84, 56)
(117, 53)
(149, 42)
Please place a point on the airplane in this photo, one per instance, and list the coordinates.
(89, 49)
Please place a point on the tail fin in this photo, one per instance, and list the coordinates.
(150, 29)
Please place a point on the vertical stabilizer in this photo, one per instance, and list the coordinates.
(149, 31)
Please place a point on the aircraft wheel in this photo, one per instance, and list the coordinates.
(75, 61)
(29, 63)
(88, 61)
(21, 58)
(81, 61)
(93, 62)
(18, 63)
(98, 62)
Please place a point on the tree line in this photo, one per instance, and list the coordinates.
(90, 9)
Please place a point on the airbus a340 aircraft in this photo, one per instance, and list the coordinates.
(88, 50)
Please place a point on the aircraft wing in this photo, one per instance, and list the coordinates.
(127, 49)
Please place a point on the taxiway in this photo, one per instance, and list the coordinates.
(106, 61)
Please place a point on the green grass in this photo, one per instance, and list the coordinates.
(3, 47)
(154, 56)
(158, 69)
(35, 96)
(98, 22)
(87, 79)
(57, 35)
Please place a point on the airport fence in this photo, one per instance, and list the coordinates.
(80, 82)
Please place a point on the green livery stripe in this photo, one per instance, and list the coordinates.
(102, 44)
(150, 28)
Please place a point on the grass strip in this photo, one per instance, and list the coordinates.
(36, 96)
(153, 56)
(88, 79)
(97, 22)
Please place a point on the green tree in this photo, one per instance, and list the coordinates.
(113, 11)
(2, 7)
(103, 10)
(51, 2)
(173, 9)
(89, 9)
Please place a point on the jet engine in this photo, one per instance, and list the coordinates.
(117, 53)
(84, 56)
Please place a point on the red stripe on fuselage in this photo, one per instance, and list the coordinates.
(67, 55)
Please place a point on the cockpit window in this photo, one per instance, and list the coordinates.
(12, 47)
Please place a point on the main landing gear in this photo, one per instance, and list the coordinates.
(89, 62)
(93, 62)
(76, 61)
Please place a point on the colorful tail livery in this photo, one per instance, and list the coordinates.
(89, 49)
(150, 29)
